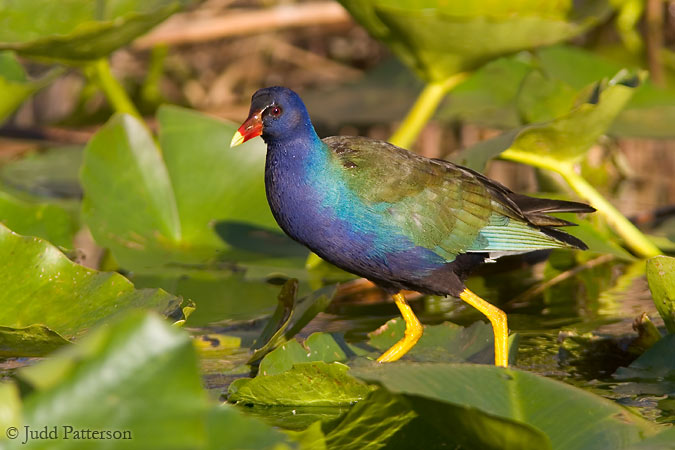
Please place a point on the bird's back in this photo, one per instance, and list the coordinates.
(447, 208)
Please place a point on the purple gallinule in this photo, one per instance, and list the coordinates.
(396, 218)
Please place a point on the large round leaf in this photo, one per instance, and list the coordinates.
(572, 418)
(305, 384)
(43, 288)
(77, 29)
(439, 39)
(155, 207)
(211, 181)
(138, 377)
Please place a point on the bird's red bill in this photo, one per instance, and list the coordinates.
(251, 128)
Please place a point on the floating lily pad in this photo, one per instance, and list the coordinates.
(155, 397)
(34, 340)
(385, 419)
(324, 347)
(43, 288)
(78, 30)
(443, 342)
(663, 441)
(306, 384)
(369, 424)
(520, 396)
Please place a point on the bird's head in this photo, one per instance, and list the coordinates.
(276, 112)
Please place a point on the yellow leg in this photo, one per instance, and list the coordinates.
(413, 332)
(498, 319)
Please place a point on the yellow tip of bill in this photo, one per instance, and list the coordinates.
(237, 139)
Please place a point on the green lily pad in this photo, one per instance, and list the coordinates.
(311, 438)
(369, 424)
(45, 220)
(325, 347)
(78, 29)
(212, 182)
(520, 396)
(43, 287)
(155, 208)
(467, 427)
(443, 342)
(665, 440)
(396, 421)
(34, 340)
(385, 419)
(306, 384)
(230, 429)
(661, 279)
(155, 396)
(439, 39)
(291, 316)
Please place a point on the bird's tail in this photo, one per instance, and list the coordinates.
(537, 211)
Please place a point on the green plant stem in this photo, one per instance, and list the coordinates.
(112, 88)
(633, 237)
(424, 107)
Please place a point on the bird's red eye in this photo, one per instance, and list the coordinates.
(275, 111)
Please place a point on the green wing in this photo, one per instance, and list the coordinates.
(438, 205)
